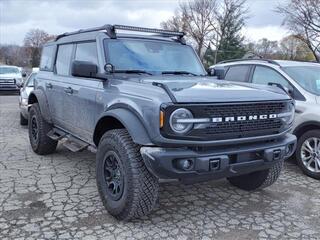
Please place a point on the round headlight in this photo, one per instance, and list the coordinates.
(177, 123)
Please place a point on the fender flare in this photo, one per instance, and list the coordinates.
(312, 124)
(38, 96)
(131, 122)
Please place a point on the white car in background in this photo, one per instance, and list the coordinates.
(11, 78)
(302, 81)
(26, 88)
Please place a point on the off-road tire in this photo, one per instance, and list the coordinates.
(301, 140)
(259, 179)
(140, 191)
(43, 144)
(23, 120)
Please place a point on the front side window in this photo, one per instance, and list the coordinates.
(306, 76)
(64, 59)
(87, 52)
(47, 58)
(152, 56)
(265, 75)
(238, 73)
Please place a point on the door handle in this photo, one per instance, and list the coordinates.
(68, 90)
(49, 85)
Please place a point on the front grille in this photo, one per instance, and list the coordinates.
(235, 129)
(7, 82)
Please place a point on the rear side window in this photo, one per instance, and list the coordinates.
(238, 73)
(64, 59)
(87, 52)
(46, 63)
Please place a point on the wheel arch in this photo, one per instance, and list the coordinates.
(38, 96)
(306, 126)
(121, 118)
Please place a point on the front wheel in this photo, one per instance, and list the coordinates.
(308, 153)
(38, 130)
(259, 179)
(126, 187)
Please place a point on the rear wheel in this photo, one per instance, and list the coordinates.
(38, 130)
(23, 120)
(126, 187)
(308, 153)
(259, 179)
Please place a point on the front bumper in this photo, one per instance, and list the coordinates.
(218, 162)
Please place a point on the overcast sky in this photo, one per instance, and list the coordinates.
(58, 16)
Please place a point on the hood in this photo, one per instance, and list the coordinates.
(205, 89)
(10, 76)
(318, 99)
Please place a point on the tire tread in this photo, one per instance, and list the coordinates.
(145, 187)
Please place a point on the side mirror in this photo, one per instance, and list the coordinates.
(219, 72)
(24, 74)
(210, 71)
(84, 69)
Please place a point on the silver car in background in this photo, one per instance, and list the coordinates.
(302, 80)
(27, 87)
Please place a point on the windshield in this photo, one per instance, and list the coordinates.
(306, 76)
(6, 70)
(30, 80)
(154, 57)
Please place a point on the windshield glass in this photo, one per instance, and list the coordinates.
(307, 76)
(6, 70)
(30, 80)
(152, 56)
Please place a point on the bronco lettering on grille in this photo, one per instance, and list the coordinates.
(244, 118)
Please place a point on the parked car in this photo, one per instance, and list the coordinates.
(143, 102)
(10, 78)
(25, 90)
(302, 81)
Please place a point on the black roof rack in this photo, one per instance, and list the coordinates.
(111, 31)
(250, 59)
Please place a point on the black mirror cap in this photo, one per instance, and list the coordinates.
(84, 69)
(24, 74)
(219, 72)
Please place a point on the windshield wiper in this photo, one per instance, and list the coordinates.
(179, 73)
(133, 71)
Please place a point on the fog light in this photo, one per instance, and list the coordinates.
(185, 164)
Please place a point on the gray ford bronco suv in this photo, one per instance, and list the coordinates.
(146, 106)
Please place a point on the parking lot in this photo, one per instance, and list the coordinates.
(55, 197)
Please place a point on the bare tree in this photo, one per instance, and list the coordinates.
(13, 55)
(292, 48)
(266, 48)
(206, 21)
(195, 18)
(33, 42)
(302, 17)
